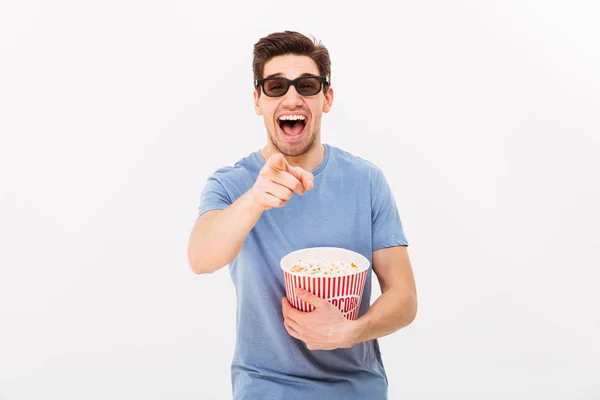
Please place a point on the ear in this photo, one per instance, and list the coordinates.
(328, 100)
(257, 108)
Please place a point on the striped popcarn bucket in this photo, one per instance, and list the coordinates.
(342, 290)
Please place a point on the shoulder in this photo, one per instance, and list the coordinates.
(355, 164)
(238, 173)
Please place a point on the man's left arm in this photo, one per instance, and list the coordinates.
(397, 305)
(326, 328)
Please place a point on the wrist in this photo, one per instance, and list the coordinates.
(357, 332)
(251, 203)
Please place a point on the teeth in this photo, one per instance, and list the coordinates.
(292, 117)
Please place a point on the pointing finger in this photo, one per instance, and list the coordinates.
(278, 162)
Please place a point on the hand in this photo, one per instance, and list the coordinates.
(277, 181)
(324, 328)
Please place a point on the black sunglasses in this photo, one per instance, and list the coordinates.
(305, 85)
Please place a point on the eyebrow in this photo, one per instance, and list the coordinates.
(279, 74)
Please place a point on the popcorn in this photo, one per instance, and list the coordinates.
(324, 267)
(335, 274)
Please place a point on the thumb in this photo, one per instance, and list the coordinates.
(305, 177)
(277, 161)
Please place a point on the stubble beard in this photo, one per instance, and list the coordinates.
(295, 149)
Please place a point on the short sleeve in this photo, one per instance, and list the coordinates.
(214, 196)
(387, 229)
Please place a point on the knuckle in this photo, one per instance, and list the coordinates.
(292, 185)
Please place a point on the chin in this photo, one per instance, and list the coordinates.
(294, 149)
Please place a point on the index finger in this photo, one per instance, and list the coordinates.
(311, 298)
(278, 162)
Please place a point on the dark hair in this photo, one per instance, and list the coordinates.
(289, 42)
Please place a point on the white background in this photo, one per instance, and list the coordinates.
(484, 117)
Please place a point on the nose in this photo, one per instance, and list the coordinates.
(292, 98)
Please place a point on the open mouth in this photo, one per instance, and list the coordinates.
(292, 125)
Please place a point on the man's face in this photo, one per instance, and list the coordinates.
(288, 132)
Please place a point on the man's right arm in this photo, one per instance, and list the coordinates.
(218, 235)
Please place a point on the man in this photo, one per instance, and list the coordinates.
(295, 193)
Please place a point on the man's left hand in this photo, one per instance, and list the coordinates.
(324, 328)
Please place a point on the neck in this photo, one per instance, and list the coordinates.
(308, 161)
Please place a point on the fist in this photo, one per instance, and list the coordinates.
(278, 181)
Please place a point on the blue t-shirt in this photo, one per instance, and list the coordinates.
(351, 206)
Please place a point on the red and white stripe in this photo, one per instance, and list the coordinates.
(326, 288)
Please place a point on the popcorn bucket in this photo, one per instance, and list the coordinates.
(335, 274)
